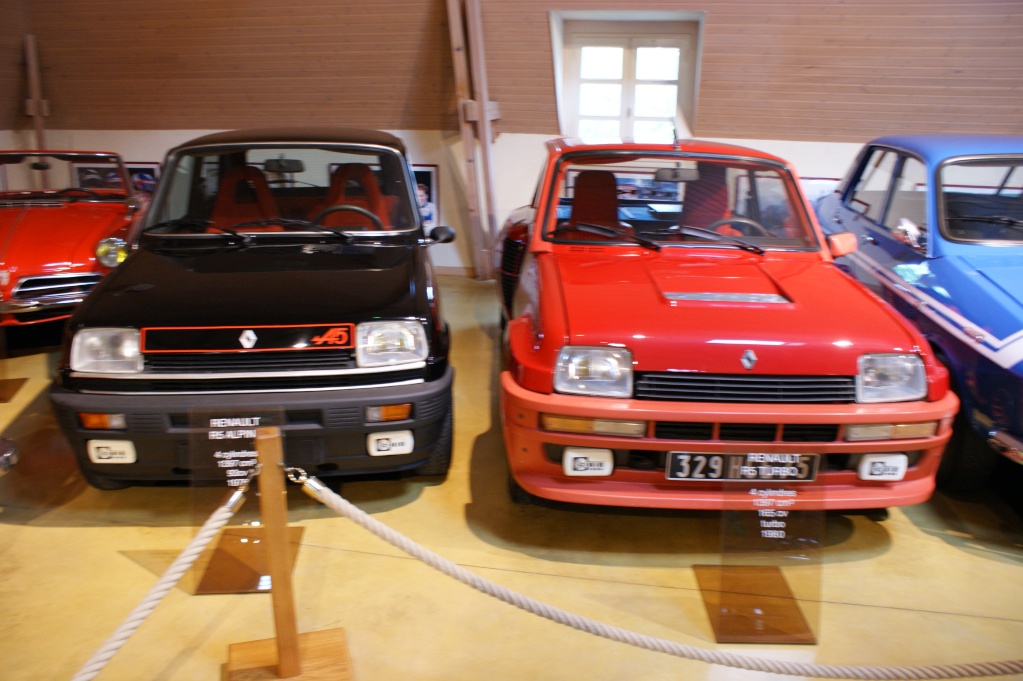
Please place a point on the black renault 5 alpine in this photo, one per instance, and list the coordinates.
(279, 278)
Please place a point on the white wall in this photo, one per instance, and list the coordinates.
(516, 163)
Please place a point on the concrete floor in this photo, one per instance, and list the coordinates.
(938, 583)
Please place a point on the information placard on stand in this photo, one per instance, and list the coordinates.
(768, 584)
(222, 452)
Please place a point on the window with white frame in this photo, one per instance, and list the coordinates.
(627, 79)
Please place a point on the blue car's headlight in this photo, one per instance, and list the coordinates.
(599, 371)
(891, 378)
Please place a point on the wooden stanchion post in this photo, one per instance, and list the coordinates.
(313, 656)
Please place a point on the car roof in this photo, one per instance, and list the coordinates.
(297, 135)
(686, 146)
(934, 148)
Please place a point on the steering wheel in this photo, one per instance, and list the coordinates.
(355, 209)
(756, 229)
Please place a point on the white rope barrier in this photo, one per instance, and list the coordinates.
(170, 577)
(335, 502)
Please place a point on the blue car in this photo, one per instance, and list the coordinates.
(939, 219)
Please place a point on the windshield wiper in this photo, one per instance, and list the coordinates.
(997, 219)
(605, 230)
(730, 240)
(167, 225)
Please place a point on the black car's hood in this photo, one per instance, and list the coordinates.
(259, 286)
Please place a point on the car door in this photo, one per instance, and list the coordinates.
(885, 206)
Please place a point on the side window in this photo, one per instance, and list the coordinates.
(869, 195)
(908, 197)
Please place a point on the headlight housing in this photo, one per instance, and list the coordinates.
(599, 371)
(111, 251)
(891, 378)
(106, 351)
(395, 342)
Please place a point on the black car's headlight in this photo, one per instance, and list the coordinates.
(891, 378)
(393, 342)
(106, 351)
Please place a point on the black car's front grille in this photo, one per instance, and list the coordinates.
(56, 284)
(244, 362)
(255, 383)
(693, 387)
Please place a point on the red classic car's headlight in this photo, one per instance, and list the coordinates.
(111, 251)
(599, 371)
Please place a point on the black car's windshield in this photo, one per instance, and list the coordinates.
(263, 189)
(983, 200)
(660, 200)
(65, 177)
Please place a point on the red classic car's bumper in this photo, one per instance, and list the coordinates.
(533, 452)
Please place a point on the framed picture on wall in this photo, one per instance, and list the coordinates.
(103, 175)
(143, 176)
(427, 194)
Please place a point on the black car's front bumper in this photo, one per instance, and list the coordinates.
(324, 432)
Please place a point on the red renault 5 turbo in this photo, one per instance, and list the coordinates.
(677, 332)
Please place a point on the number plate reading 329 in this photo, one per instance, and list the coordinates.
(782, 467)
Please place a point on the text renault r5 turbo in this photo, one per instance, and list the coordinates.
(678, 334)
(278, 271)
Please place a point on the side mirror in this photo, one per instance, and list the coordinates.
(442, 234)
(842, 243)
(909, 233)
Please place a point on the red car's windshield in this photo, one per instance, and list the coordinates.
(674, 201)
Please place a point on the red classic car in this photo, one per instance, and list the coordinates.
(677, 333)
(64, 218)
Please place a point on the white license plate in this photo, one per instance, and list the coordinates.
(755, 466)
(111, 451)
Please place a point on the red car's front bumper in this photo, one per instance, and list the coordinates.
(533, 452)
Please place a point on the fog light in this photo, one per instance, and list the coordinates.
(388, 412)
(890, 431)
(92, 421)
(574, 424)
(578, 461)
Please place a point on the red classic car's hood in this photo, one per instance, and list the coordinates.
(38, 239)
(691, 310)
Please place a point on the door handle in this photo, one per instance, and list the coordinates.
(868, 239)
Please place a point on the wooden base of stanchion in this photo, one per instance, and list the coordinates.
(313, 656)
(324, 656)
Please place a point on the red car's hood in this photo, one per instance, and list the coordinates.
(43, 239)
(692, 310)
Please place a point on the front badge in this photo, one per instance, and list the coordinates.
(749, 360)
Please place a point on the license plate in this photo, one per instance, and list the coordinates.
(754, 466)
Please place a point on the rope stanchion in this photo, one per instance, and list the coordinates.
(170, 577)
(317, 490)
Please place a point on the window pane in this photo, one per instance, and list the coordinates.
(602, 63)
(657, 63)
(600, 99)
(908, 199)
(654, 132)
(868, 198)
(590, 129)
(656, 100)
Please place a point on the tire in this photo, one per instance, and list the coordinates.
(439, 460)
(521, 497)
(106, 484)
(968, 461)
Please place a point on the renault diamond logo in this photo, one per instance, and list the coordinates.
(749, 360)
(248, 339)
